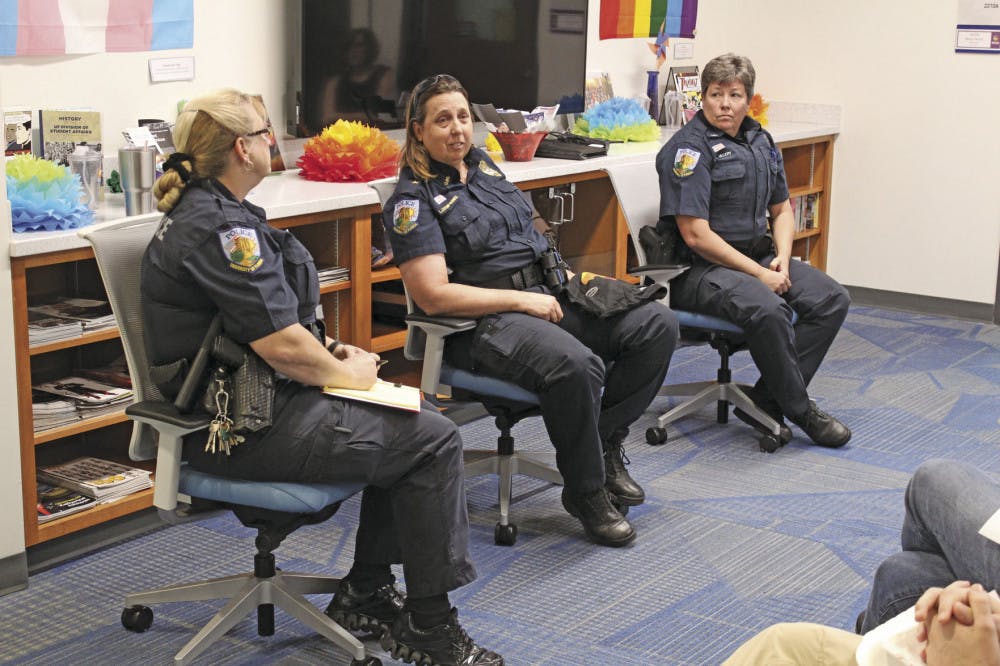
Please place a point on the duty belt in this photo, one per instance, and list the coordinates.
(524, 278)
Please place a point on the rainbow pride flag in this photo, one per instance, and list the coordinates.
(57, 27)
(644, 18)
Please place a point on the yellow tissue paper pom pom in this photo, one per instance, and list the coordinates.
(758, 109)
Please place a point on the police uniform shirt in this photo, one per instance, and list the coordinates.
(213, 253)
(483, 227)
(729, 181)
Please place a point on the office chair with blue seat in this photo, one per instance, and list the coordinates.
(273, 509)
(637, 188)
(506, 402)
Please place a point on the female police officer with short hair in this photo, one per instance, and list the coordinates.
(453, 210)
(214, 253)
(721, 176)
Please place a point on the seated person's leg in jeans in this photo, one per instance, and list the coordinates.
(946, 504)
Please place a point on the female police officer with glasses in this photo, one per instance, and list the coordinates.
(454, 212)
(215, 253)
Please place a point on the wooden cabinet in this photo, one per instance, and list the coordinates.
(334, 238)
(808, 170)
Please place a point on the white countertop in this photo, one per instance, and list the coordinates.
(286, 194)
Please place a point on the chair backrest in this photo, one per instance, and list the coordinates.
(637, 187)
(118, 248)
(413, 349)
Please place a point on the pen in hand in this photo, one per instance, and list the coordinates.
(381, 362)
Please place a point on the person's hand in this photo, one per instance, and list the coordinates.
(776, 281)
(781, 266)
(343, 351)
(958, 644)
(542, 306)
(943, 603)
(361, 366)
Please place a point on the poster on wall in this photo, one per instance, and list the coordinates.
(978, 28)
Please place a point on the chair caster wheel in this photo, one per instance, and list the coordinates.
(505, 535)
(367, 661)
(656, 436)
(769, 443)
(137, 618)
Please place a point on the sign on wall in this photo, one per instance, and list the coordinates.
(978, 29)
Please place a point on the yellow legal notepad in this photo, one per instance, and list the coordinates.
(385, 393)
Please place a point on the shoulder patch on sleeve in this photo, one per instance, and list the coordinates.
(242, 247)
(404, 216)
(685, 161)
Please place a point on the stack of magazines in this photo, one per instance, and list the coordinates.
(333, 274)
(43, 328)
(51, 411)
(56, 502)
(92, 315)
(102, 480)
(92, 392)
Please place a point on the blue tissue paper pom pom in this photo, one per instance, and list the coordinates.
(47, 206)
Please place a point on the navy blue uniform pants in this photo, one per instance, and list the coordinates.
(787, 356)
(413, 510)
(593, 376)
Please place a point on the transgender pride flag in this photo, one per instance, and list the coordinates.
(56, 27)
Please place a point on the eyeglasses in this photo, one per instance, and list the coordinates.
(258, 132)
(426, 85)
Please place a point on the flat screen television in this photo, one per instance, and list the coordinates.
(360, 58)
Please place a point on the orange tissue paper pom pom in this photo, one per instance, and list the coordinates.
(758, 109)
(349, 152)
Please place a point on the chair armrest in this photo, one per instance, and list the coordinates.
(435, 330)
(659, 271)
(443, 326)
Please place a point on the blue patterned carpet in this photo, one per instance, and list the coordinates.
(730, 539)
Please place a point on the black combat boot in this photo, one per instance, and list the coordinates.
(616, 478)
(371, 612)
(442, 645)
(823, 429)
(601, 520)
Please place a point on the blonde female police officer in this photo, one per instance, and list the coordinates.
(721, 176)
(215, 253)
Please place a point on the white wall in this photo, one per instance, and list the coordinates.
(915, 206)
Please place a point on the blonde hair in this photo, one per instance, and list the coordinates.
(414, 154)
(205, 131)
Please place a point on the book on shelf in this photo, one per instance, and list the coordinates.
(17, 132)
(86, 391)
(388, 394)
(333, 274)
(91, 313)
(57, 502)
(51, 411)
(62, 130)
(101, 479)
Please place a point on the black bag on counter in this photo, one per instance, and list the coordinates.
(569, 146)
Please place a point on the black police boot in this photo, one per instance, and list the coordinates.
(769, 406)
(443, 645)
(616, 478)
(600, 519)
(371, 612)
(823, 429)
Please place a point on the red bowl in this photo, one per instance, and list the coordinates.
(519, 146)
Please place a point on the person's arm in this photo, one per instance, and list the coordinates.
(783, 232)
(426, 279)
(698, 236)
(296, 353)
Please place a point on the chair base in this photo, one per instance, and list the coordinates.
(539, 466)
(246, 592)
(723, 394)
